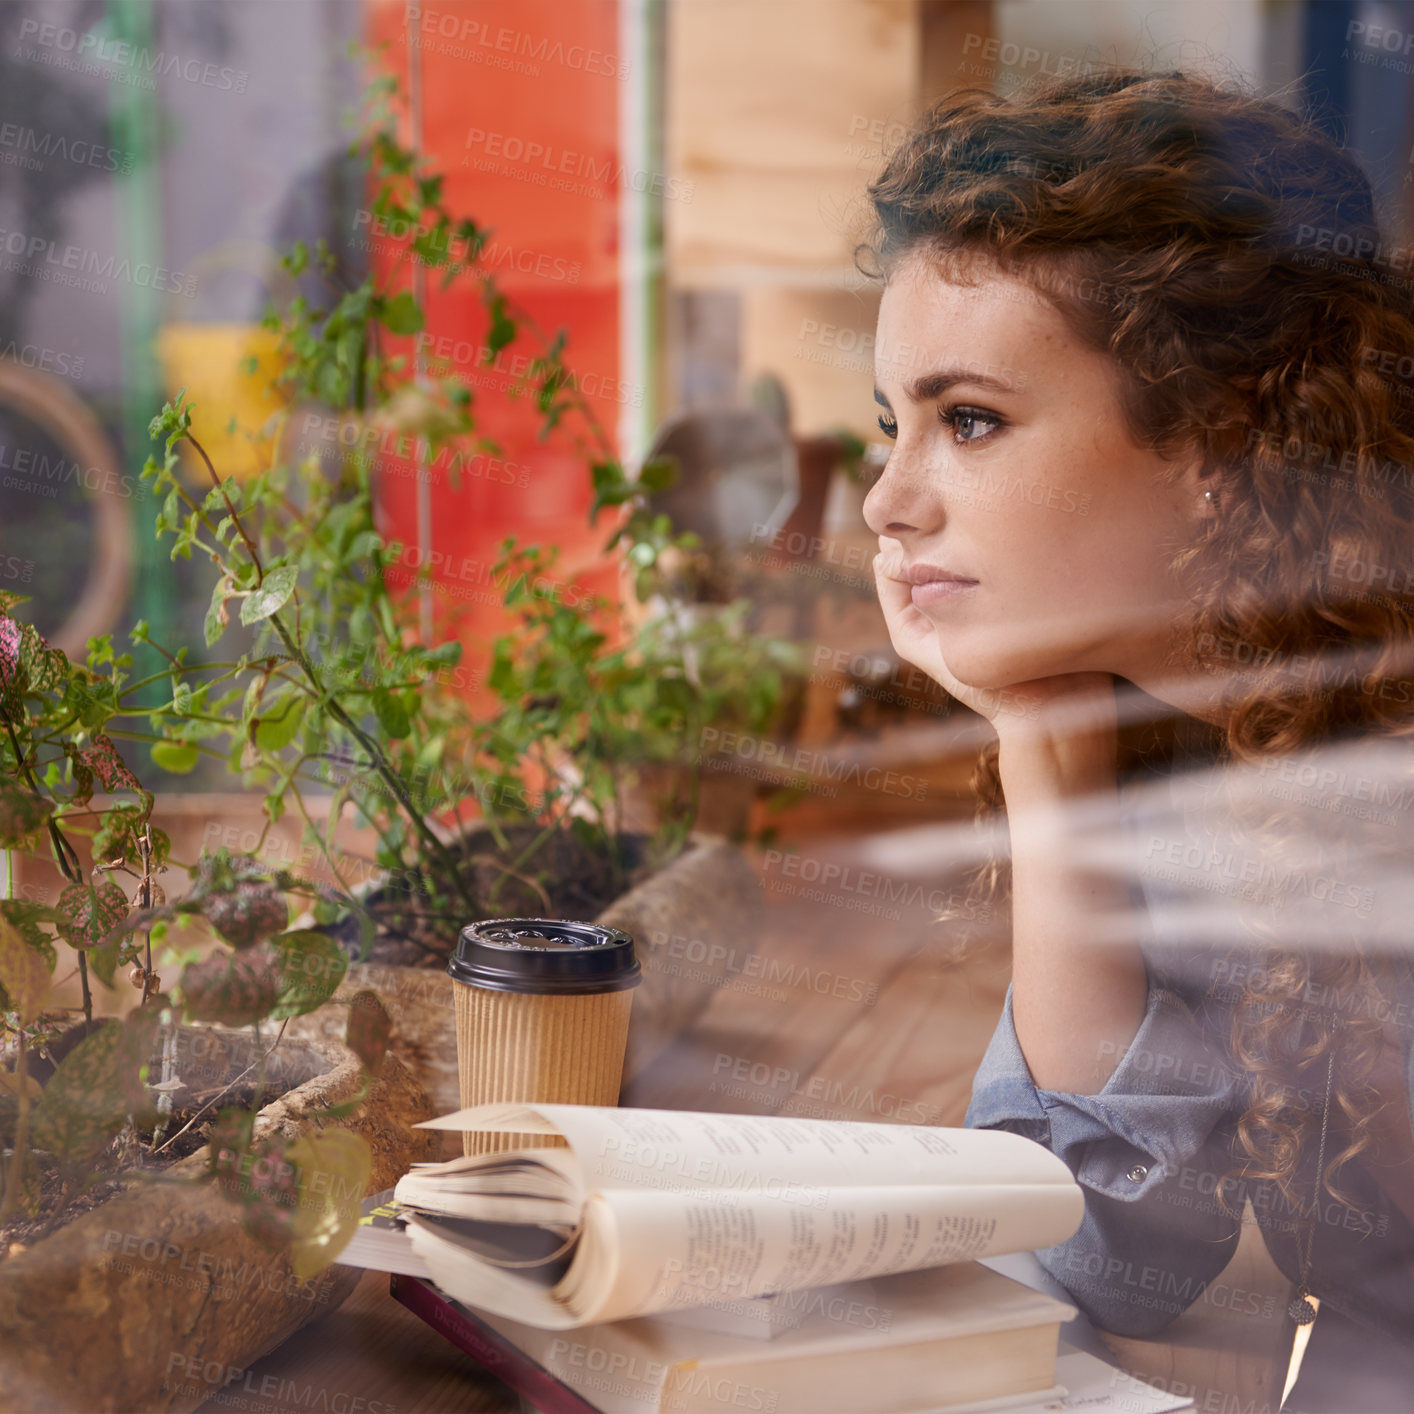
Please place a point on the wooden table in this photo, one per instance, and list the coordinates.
(861, 1014)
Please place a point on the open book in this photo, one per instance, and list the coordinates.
(656, 1210)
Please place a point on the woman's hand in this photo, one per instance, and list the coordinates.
(1064, 705)
(1077, 1003)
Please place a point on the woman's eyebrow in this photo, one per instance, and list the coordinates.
(928, 386)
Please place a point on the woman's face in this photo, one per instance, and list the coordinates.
(1014, 473)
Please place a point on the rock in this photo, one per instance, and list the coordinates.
(153, 1298)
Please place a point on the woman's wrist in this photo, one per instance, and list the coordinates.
(1078, 995)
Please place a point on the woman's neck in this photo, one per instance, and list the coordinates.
(1179, 680)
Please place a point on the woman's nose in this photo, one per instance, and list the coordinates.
(898, 501)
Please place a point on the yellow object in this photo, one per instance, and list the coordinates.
(233, 406)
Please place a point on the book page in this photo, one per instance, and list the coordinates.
(682, 1149)
(665, 1251)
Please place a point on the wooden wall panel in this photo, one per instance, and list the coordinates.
(770, 109)
(778, 114)
(821, 345)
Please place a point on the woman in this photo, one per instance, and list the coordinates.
(1140, 352)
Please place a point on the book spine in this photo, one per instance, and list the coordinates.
(488, 1348)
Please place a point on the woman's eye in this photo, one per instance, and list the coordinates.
(970, 424)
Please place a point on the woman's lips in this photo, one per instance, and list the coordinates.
(937, 590)
(929, 586)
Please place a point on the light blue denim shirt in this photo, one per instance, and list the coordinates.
(1153, 1145)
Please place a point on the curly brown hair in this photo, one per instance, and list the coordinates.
(1225, 253)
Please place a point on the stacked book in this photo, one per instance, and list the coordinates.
(663, 1260)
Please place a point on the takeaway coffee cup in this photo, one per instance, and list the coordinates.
(542, 1015)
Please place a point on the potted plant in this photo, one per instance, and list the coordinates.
(520, 811)
(106, 1122)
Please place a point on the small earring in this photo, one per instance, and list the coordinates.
(1211, 500)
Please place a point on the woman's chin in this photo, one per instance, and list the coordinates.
(992, 672)
(994, 660)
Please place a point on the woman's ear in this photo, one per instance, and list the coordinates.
(1211, 508)
(1201, 482)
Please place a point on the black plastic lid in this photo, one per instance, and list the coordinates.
(544, 955)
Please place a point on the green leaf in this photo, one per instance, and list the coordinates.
(364, 545)
(401, 314)
(96, 1087)
(216, 615)
(657, 474)
(272, 596)
(312, 965)
(268, 1187)
(23, 974)
(277, 728)
(502, 676)
(87, 912)
(103, 962)
(116, 839)
(445, 654)
(675, 694)
(503, 328)
(21, 813)
(178, 757)
(239, 900)
(335, 1169)
(232, 989)
(429, 250)
(25, 916)
(392, 715)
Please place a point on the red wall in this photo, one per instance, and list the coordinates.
(520, 110)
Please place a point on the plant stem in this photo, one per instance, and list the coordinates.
(384, 768)
(230, 509)
(83, 982)
(230, 669)
(531, 849)
(381, 765)
(150, 737)
(526, 879)
(66, 857)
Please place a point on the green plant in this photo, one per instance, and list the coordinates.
(341, 695)
(853, 452)
(594, 699)
(107, 1103)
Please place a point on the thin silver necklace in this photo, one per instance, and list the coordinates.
(1301, 1310)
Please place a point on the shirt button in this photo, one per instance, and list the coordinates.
(1138, 1173)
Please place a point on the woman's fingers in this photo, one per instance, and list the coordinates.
(914, 635)
(902, 618)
